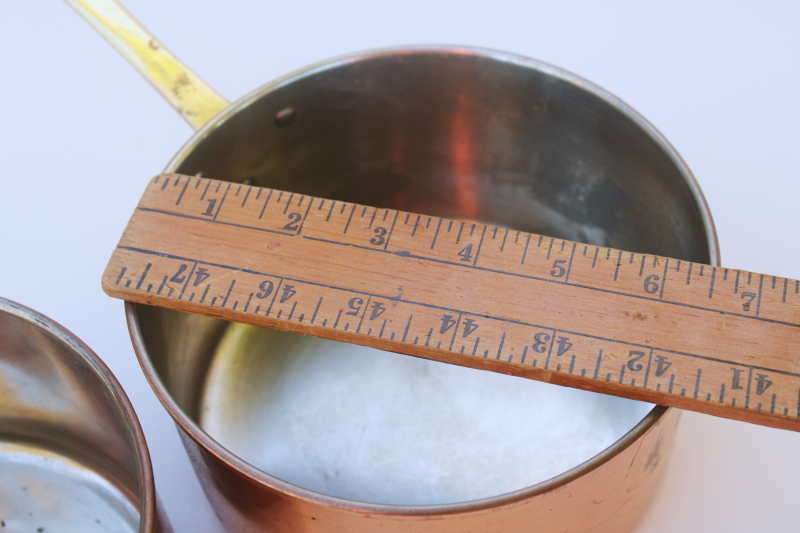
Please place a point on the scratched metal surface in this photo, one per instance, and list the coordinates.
(718, 81)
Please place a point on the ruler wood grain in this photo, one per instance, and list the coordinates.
(709, 339)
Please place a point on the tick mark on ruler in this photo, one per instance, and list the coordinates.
(316, 310)
(246, 196)
(265, 204)
(180, 196)
(349, 219)
(416, 225)
(525, 252)
(203, 196)
(408, 325)
(435, 235)
(288, 203)
(713, 277)
(597, 366)
(500, 349)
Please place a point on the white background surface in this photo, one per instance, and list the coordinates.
(82, 133)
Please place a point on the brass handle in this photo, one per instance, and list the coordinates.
(195, 100)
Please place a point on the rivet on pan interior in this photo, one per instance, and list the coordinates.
(285, 117)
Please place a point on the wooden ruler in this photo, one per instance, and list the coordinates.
(709, 339)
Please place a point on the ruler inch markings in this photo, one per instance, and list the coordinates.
(583, 305)
(457, 310)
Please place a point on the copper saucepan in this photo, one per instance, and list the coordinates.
(72, 453)
(454, 132)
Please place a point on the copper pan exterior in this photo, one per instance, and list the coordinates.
(455, 132)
